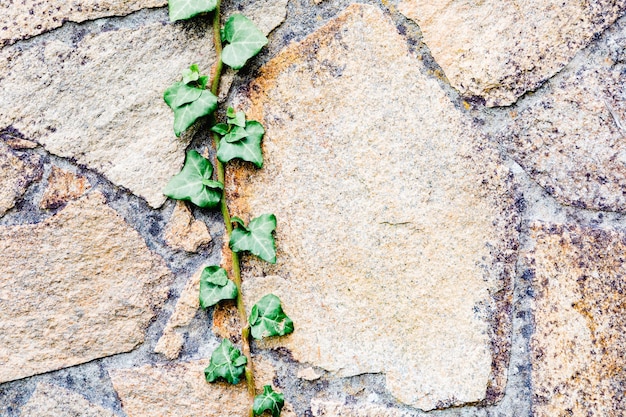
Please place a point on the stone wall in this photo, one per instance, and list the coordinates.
(449, 181)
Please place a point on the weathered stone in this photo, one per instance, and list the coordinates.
(79, 286)
(177, 390)
(308, 374)
(569, 136)
(184, 232)
(579, 340)
(171, 342)
(63, 186)
(52, 401)
(396, 232)
(500, 50)
(100, 101)
(321, 408)
(16, 174)
(24, 19)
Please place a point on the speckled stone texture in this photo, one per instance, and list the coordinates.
(579, 341)
(76, 287)
(16, 174)
(498, 50)
(403, 253)
(570, 136)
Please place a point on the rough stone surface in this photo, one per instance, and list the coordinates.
(116, 122)
(499, 50)
(579, 340)
(181, 390)
(23, 19)
(397, 232)
(79, 286)
(63, 186)
(184, 232)
(53, 401)
(171, 342)
(570, 135)
(324, 408)
(16, 174)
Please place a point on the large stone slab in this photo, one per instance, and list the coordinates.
(79, 286)
(16, 174)
(395, 226)
(53, 401)
(579, 340)
(23, 19)
(498, 50)
(569, 136)
(100, 101)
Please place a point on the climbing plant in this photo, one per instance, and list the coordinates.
(195, 97)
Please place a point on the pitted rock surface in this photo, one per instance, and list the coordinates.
(23, 19)
(80, 285)
(17, 172)
(498, 50)
(571, 135)
(578, 344)
(397, 230)
(53, 401)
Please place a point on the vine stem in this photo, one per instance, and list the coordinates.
(219, 167)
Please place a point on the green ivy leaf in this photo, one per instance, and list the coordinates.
(191, 74)
(180, 94)
(268, 319)
(215, 286)
(221, 128)
(236, 118)
(244, 39)
(186, 9)
(187, 114)
(256, 238)
(235, 134)
(247, 149)
(226, 362)
(193, 183)
(268, 401)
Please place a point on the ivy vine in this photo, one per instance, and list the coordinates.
(195, 97)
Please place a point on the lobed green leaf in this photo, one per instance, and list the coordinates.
(247, 148)
(180, 94)
(256, 238)
(226, 362)
(193, 183)
(215, 286)
(268, 319)
(187, 114)
(268, 401)
(244, 39)
(186, 9)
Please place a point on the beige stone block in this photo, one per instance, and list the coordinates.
(395, 227)
(53, 401)
(184, 232)
(78, 286)
(325, 408)
(579, 341)
(499, 50)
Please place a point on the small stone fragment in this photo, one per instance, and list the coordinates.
(184, 232)
(177, 390)
(24, 19)
(570, 136)
(171, 342)
(16, 174)
(322, 408)
(78, 286)
(579, 340)
(498, 50)
(63, 186)
(308, 374)
(397, 231)
(53, 401)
